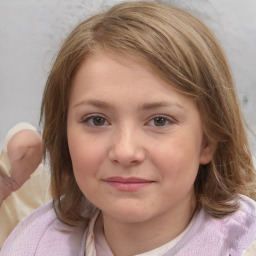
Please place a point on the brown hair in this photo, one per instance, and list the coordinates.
(183, 50)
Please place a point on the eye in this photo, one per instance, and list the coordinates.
(95, 121)
(159, 121)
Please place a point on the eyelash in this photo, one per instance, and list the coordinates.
(90, 121)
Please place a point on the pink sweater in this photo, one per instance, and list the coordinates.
(43, 234)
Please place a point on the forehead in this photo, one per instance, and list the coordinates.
(110, 77)
(102, 69)
(102, 63)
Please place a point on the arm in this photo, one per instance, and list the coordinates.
(5, 187)
(25, 154)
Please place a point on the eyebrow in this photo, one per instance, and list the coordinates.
(145, 106)
(96, 103)
(153, 105)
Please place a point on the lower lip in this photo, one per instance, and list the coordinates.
(129, 186)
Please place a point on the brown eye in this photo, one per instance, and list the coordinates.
(160, 121)
(98, 120)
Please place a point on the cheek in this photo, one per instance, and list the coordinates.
(179, 158)
(82, 158)
(86, 156)
(84, 167)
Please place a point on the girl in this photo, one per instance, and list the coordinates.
(146, 143)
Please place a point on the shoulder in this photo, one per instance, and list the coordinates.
(228, 236)
(238, 230)
(29, 232)
(42, 233)
(244, 219)
(241, 226)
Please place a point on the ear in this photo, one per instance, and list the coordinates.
(207, 151)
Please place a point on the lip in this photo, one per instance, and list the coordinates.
(128, 184)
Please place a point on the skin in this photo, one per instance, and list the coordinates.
(125, 121)
(25, 154)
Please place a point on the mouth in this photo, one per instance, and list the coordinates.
(128, 184)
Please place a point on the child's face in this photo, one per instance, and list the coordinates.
(135, 142)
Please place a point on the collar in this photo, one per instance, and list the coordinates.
(90, 249)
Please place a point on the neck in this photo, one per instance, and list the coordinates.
(147, 235)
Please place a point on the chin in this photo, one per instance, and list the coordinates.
(130, 214)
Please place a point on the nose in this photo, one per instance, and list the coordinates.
(127, 148)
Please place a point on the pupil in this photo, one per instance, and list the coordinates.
(98, 121)
(160, 121)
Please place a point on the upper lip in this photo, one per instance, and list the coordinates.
(127, 180)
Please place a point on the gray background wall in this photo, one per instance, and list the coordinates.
(31, 32)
